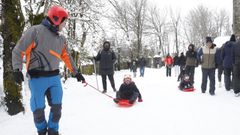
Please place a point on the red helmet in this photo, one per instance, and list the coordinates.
(57, 15)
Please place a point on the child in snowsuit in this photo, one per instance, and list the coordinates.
(128, 90)
(181, 75)
(185, 83)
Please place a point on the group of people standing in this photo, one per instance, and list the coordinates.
(184, 63)
(44, 47)
(226, 59)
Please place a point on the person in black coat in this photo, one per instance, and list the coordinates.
(191, 62)
(219, 64)
(236, 69)
(107, 59)
(227, 57)
(176, 64)
(182, 61)
(128, 90)
(134, 68)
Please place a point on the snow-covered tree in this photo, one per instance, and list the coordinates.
(11, 28)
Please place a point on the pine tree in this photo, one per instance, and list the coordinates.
(12, 27)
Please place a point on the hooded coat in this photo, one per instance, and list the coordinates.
(107, 59)
(227, 53)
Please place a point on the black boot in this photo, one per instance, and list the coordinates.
(104, 91)
(44, 132)
(116, 100)
(52, 132)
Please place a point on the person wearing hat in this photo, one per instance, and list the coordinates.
(227, 59)
(207, 57)
(191, 62)
(44, 47)
(107, 59)
(128, 90)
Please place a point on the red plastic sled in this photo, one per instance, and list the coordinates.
(124, 103)
(188, 89)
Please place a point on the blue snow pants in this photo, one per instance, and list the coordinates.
(40, 88)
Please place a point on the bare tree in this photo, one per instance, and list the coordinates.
(130, 17)
(221, 20)
(120, 16)
(175, 22)
(157, 25)
(199, 25)
(137, 21)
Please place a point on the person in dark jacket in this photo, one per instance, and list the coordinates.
(181, 75)
(219, 64)
(185, 82)
(227, 57)
(176, 64)
(134, 68)
(207, 57)
(191, 62)
(236, 69)
(128, 90)
(142, 64)
(182, 61)
(107, 59)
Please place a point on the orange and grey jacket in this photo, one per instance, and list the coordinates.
(43, 50)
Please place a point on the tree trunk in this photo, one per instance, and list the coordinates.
(236, 17)
(13, 23)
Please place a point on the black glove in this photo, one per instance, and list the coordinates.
(80, 78)
(18, 76)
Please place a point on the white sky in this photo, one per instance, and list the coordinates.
(189, 4)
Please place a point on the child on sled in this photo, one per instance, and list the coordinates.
(185, 83)
(128, 91)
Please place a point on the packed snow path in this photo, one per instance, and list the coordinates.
(164, 111)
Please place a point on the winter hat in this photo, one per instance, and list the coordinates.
(126, 77)
(106, 45)
(192, 47)
(233, 38)
(208, 39)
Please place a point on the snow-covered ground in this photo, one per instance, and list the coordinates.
(164, 111)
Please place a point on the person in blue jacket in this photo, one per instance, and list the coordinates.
(219, 64)
(227, 57)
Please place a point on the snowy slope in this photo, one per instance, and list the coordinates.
(164, 110)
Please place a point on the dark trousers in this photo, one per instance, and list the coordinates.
(220, 71)
(190, 70)
(129, 95)
(236, 78)
(142, 69)
(168, 71)
(228, 78)
(205, 74)
(104, 81)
